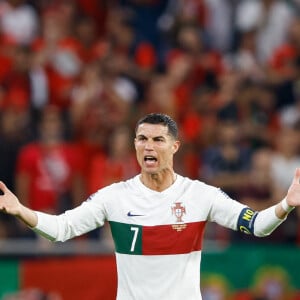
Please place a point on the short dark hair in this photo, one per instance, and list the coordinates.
(159, 118)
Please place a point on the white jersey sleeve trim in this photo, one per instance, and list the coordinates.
(266, 222)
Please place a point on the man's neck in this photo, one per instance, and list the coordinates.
(158, 182)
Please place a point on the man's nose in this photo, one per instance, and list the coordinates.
(149, 145)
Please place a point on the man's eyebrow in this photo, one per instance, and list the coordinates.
(159, 137)
(154, 138)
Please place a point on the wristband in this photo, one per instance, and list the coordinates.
(287, 208)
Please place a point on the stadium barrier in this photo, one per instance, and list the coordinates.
(78, 271)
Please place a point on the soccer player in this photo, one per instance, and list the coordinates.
(157, 218)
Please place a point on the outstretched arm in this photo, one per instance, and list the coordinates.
(79, 220)
(10, 204)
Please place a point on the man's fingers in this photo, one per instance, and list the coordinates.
(296, 179)
(3, 188)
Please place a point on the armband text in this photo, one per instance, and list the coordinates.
(246, 220)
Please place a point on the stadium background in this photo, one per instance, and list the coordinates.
(234, 270)
(227, 71)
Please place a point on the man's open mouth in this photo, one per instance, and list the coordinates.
(150, 158)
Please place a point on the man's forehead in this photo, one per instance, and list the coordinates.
(152, 129)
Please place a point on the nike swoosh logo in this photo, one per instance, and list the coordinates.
(130, 214)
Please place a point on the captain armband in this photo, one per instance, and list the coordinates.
(246, 220)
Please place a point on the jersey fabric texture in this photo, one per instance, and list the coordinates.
(158, 235)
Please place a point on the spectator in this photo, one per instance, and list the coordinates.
(61, 55)
(283, 62)
(135, 57)
(198, 124)
(220, 24)
(49, 171)
(159, 96)
(119, 91)
(283, 68)
(226, 163)
(257, 190)
(90, 114)
(245, 58)
(259, 117)
(197, 132)
(270, 19)
(119, 163)
(225, 100)
(285, 158)
(16, 82)
(178, 13)
(93, 46)
(190, 64)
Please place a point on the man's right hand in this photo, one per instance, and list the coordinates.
(10, 204)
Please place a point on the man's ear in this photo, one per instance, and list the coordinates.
(176, 146)
(134, 142)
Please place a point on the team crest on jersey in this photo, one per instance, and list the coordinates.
(178, 210)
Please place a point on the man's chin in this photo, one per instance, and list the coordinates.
(150, 170)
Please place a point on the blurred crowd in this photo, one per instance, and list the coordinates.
(75, 76)
(268, 283)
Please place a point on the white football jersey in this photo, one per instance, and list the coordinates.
(158, 235)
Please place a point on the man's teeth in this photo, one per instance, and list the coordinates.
(151, 158)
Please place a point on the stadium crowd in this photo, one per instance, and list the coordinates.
(76, 75)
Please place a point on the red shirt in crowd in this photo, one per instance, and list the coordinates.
(49, 172)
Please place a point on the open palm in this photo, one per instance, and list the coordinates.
(293, 195)
(9, 203)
